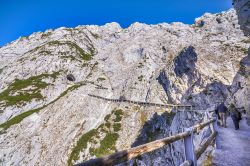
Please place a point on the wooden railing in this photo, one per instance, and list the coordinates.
(191, 155)
(181, 108)
(142, 103)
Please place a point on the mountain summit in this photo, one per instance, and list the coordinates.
(48, 118)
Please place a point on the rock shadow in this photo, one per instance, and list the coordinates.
(160, 126)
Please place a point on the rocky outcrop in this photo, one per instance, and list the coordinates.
(242, 79)
(46, 119)
(185, 62)
(243, 11)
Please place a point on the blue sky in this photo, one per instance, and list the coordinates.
(23, 17)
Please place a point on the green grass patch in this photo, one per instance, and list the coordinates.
(244, 50)
(107, 145)
(108, 124)
(22, 91)
(81, 144)
(86, 56)
(17, 119)
(107, 117)
(104, 130)
(99, 147)
(117, 127)
(118, 115)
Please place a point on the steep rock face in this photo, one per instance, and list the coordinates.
(242, 79)
(184, 63)
(47, 119)
(243, 11)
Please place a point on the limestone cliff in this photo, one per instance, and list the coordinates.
(48, 119)
(243, 11)
(242, 93)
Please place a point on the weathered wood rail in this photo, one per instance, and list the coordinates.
(142, 103)
(190, 153)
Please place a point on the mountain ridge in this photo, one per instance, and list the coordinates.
(163, 63)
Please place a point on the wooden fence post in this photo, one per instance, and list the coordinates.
(189, 148)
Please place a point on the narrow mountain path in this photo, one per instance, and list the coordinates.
(235, 145)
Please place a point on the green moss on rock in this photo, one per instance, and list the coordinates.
(86, 56)
(17, 119)
(22, 91)
(107, 117)
(83, 55)
(244, 50)
(81, 144)
(117, 127)
(107, 145)
(118, 114)
(102, 142)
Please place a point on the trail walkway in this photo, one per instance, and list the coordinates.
(235, 145)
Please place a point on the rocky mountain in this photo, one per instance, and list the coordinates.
(242, 7)
(48, 118)
(243, 93)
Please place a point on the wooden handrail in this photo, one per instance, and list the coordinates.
(126, 155)
(139, 102)
(200, 126)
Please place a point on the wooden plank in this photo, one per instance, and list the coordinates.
(204, 146)
(200, 126)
